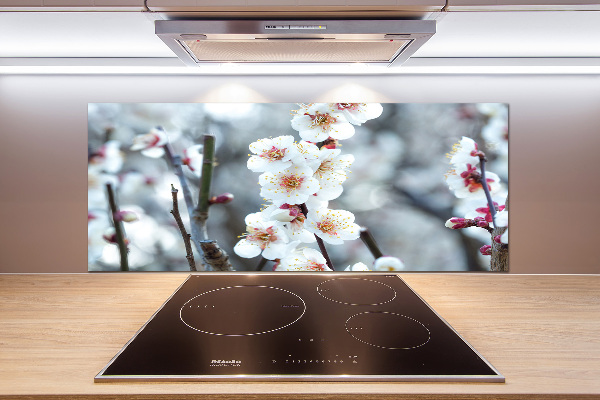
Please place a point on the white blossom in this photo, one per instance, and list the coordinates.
(387, 263)
(193, 157)
(303, 260)
(261, 237)
(333, 226)
(495, 133)
(109, 158)
(291, 218)
(465, 152)
(331, 168)
(466, 182)
(318, 122)
(292, 185)
(151, 144)
(273, 155)
(310, 152)
(357, 267)
(358, 113)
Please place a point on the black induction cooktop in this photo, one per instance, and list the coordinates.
(297, 326)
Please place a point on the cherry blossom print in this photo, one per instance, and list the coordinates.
(388, 263)
(310, 152)
(358, 113)
(110, 236)
(318, 122)
(273, 155)
(466, 182)
(332, 168)
(303, 260)
(291, 218)
(357, 267)
(109, 158)
(495, 133)
(465, 152)
(261, 237)
(333, 226)
(192, 157)
(293, 185)
(126, 216)
(151, 144)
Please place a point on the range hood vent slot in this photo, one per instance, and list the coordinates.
(387, 42)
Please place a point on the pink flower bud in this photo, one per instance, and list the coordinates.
(481, 222)
(110, 236)
(221, 199)
(126, 216)
(457, 223)
(486, 250)
(497, 239)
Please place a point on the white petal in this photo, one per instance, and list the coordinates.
(387, 263)
(282, 215)
(275, 250)
(330, 192)
(283, 142)
(502, 218)
(304, 236)
(246, 249)
(341, 131)
(257, 164)
(313, 203)
(301, 122)
(254, 220)
(313, 135)
(314, 255)
(154, 152)
(504, 237)
(357, 267)
(329, 238)
(260, 146)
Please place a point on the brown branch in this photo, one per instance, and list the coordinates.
(370, 242)
(118, 225)
(261, 264)
(215, 256)
(176, 163)
(499, 260)
(186, 236)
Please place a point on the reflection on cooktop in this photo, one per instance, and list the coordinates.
(297, 326)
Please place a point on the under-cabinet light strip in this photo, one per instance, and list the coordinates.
(415, 66)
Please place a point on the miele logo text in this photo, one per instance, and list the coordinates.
(225, 363)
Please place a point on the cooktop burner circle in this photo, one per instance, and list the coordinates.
(356, 291)
(388, 330)
(242, 310)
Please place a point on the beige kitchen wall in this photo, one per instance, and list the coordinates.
(554, 153)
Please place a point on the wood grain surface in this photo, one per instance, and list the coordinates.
(542, 332)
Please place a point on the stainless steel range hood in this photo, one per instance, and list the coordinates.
(382, 42)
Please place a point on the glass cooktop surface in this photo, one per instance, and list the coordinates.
(304, 326)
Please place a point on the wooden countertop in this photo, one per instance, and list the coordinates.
(542, 332)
